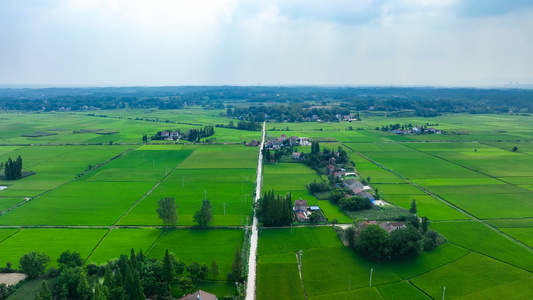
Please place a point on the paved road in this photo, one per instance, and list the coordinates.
(252, 260)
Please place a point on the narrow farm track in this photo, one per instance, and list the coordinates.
(252, 258)
(70, 180)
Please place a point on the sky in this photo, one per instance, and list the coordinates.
(260, 42)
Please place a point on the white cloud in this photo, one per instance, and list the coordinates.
(121, 42)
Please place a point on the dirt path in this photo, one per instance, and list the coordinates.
(11, 278)
(252, 260)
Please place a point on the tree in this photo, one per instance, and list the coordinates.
(413, 209)
(84, 290)
(44, 292)
(374, 242)
(349, 235)
(167, 211)
(275, 210)
(405, 242)
(205, 214)
(13, 169)
(355, 203)
(34, 264)
(145, 138)
(69, 259)
(314, 217)
(336, 195)
(424, 225)
(237, 266)
(198, 271)
(185, 283)
(515, 149)
(214, 269)
(168, 271)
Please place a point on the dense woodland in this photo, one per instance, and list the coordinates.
(291, 103)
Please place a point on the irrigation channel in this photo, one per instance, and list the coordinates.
(252, 260)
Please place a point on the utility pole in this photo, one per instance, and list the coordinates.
(443, 292)
(371, 270)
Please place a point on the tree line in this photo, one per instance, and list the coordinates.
(135, 277)
(275, 210)
(167, 211)
(12, 168)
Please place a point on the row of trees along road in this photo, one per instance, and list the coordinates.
(12, 169)
(168, 212)
(275, 210)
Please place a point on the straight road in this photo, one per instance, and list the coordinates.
(252, 260)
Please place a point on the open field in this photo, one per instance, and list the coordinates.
(50, 241)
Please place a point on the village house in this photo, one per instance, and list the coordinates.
(303, 211)
(199, 295)
(352, 184)
(296, 155)
(391, 226)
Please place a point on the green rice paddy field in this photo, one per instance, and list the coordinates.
(99, 198)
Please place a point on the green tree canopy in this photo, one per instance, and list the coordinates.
(34, 264)
(167, 211)
(374, 242)
(205, 214)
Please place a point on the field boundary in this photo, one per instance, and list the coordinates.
(151, 190)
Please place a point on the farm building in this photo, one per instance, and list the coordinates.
(199, 295)
(352, 184)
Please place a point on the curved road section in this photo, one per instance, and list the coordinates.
(252, 260)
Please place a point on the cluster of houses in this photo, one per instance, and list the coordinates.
(387, 226)
(359, 189)
(302, 211)
(284, 140)
(417, 130)
(170, 135)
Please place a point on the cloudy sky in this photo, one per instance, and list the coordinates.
(250, 42)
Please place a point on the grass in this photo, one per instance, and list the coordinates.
(427, 206)
(469, 274)
(225, 157)
(523, 235)
(79, 203)
(488, 206)
(400, 290)
(331, 269)
(276, 240)
(361, 293)
(53, 242)
(5, 233)
(201, 245)
(283, 276)
(234, 187)
(511, 223)
(487, 242)
(29, 289)
(6, 203)
(121, 241)
(415, 266)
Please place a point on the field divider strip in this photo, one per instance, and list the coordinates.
(467, 213)
(156, 240)
(98, 244)
(150, 191)
(70, 180)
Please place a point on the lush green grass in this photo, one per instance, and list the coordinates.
(469, 274)
(29, 289)
(234, 187)
(518, 289)
(397, 189)
(219, 288)
(361, 293)
(53, 242)
(54, 165)
(427, 206)
(487, 206)
(511, 223)
(400, 290)
(140, 165)
(121, 241)
(279, 280)
(6, 203)
(79, 203)
(409, 268)
(486, 241)
(449, 252)
(276, 240)
(201, 246)
(328, 270)
(288, 176)
(524, 235)
(332, 211)
(5, 233)
(219, 157)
